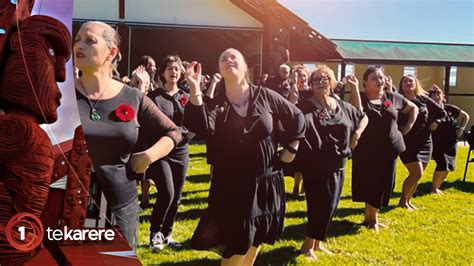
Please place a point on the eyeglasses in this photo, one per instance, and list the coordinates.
(322, 79)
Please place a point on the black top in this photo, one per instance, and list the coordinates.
(278, 84)
(381, 134)
(111, 141)
(328, 134)
(246, 144)
(173, 107)
(428, 112)
(446, 131)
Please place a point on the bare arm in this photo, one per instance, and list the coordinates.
(463, 119)
(216, 78)
(194, 78)
(355, 94)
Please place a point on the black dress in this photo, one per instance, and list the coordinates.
(445, 140)
(289, 169)
(374, 158)
(247, 194)
(325, 151)
(418, 140)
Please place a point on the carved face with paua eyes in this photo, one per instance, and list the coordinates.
(46, 46)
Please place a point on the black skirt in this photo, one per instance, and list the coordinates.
(243, 211)
(417, 152)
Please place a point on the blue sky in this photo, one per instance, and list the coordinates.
(68, 116)
(448, 21)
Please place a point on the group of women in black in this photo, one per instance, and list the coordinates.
(250, 132)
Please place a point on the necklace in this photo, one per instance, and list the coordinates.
(324, 112)
(242, 104)
(93, 114)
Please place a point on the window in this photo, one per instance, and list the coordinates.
(452, 76)
(409, 70)
(350, 70)
(311, 67)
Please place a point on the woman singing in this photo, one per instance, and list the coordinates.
(247, 195)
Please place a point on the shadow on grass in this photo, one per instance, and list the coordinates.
(279, 256)
(186, 215)
(342, 228)
(340, 213)
(193, 201)
(197, 262)
(337, 228)
(187, 193)
(424, 189)
(200, 154)
(198, 179)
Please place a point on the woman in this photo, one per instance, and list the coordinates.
(418, 140)
(333, 128)
(169, 172)
(247, 195)
(299, 91)
(112, 116)
(374, 159)
(445, 138)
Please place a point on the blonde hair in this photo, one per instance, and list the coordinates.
(324, 69)
(418, 88)
(246, 74)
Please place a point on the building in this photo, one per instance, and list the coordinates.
(265, 31)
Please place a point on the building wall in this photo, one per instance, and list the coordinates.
(96, 10)
(220, 13)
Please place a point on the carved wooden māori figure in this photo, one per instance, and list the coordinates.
(32, 58)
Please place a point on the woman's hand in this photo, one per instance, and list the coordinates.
(193, 77)
(216, 78)
(287, 156)
(139, 162)
(433, 126)
(459, 132)
(352, 80)
(354, 140)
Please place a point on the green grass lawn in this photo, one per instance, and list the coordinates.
(440, 232)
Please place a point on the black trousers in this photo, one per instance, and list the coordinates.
(323, 190)
(169, 175)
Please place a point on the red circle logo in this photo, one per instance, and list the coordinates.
(24, 231)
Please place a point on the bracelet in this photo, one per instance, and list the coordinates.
(197, 94)
(290, 149)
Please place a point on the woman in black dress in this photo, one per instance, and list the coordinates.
(112, 116)
(169, 172)
(375, 157)
(418, 140)
(247, 194)
(445, 138)
(333, 128)
(299, 91)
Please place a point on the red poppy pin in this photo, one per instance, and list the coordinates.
(321, 116)
(184, 100)
(387, 103)
(125, 112)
